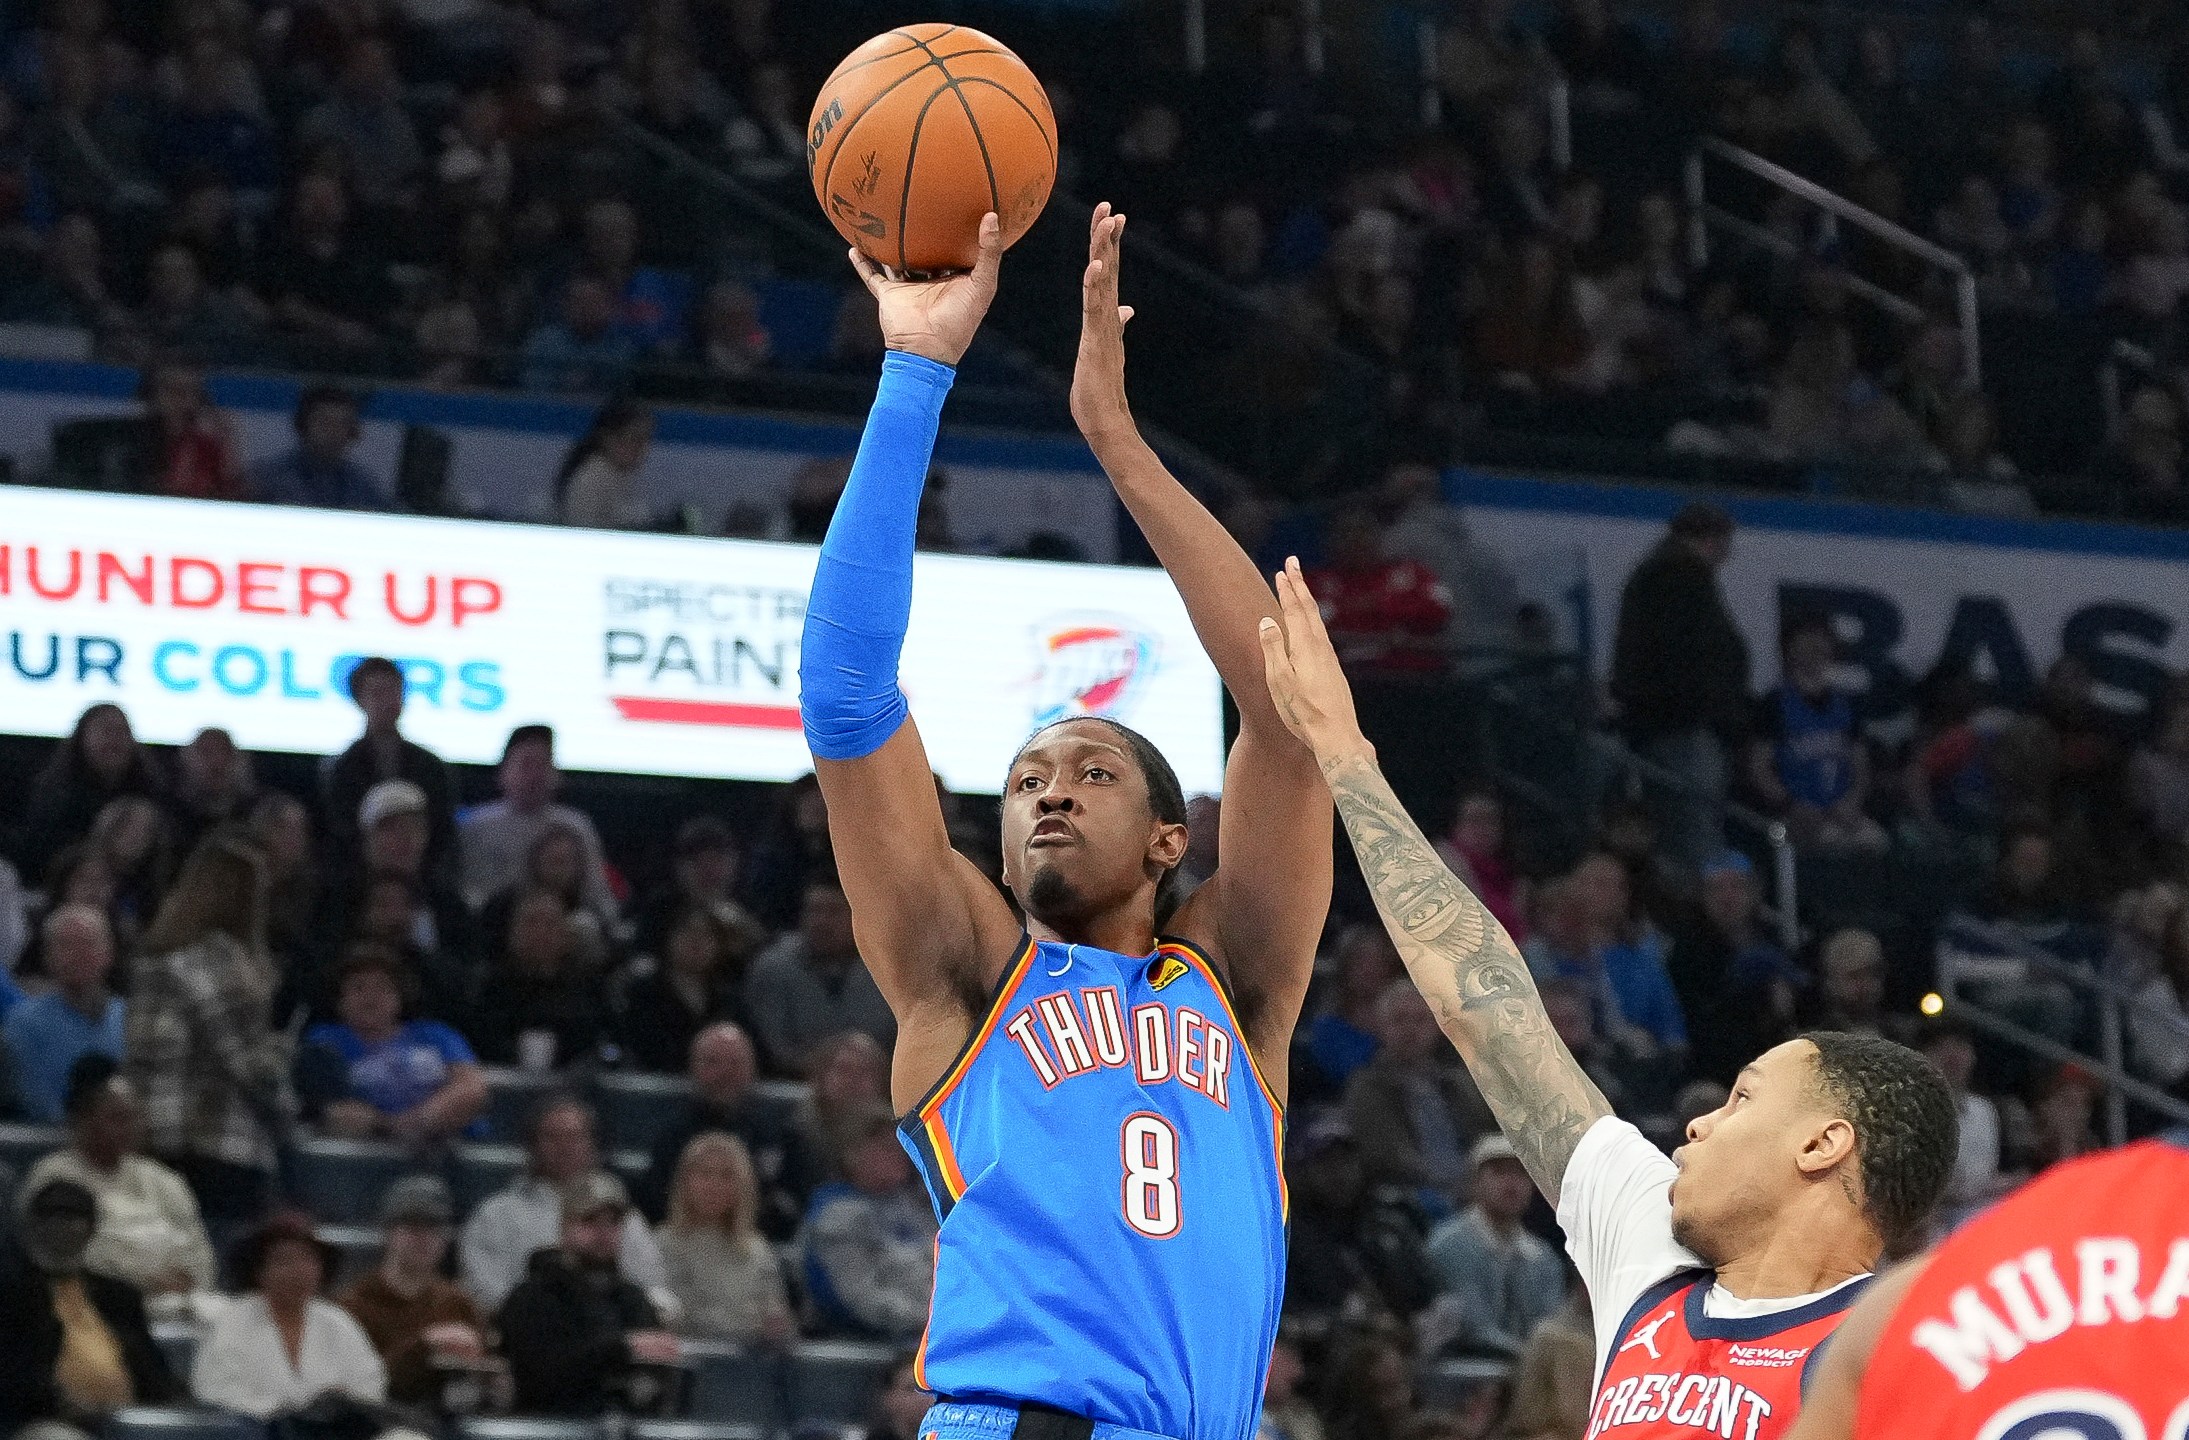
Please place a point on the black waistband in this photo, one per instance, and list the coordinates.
(1037, 1421)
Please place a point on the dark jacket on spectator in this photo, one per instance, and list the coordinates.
(357, 769)
(657, 1027)
(507, 1005)
(563, 1332)
(30, 1340)
(781, 1160)
(1678, 662)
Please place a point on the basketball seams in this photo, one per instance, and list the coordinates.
(995, 197)
(911, 159)
(843, 136)
(1016, 99)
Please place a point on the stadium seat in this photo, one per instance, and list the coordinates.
(735, 1386)
(781, 1099)
(1445, 1384)
(340, 1182)
(515, 1428)
(837, 1379)
(178, 1342)
(481, 1170)
(359, 1246)
(152, 1422)
(22, 1146)
(512, 1095)
(694, 1430)
(636, 1110)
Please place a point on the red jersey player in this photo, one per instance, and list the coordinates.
(2062, 1312)
(1713, 1275)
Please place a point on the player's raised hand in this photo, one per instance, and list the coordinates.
(936, 318)
(1098, 379)
(1309, 689)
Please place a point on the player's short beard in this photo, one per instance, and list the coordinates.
(1694, 1237)
(1049, 893)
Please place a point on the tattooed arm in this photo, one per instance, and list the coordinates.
(1459, 955)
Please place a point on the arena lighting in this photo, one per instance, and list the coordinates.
(649, 654)
(1932, 1004)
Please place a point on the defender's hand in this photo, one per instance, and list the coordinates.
(1308, 688)
(1098, 379)
(936, 318)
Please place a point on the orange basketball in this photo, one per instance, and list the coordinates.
(919, 133)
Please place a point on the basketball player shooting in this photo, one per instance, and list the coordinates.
(1713, 1275)
(2062, 1311)
(1079, 1092)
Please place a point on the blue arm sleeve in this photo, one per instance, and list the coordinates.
(862, 588)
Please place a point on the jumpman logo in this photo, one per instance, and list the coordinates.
(1647, 1337)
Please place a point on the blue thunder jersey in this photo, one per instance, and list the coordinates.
(1108, 1168)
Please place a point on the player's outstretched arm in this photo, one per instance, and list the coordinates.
(1264, 911)
(923, 914)
(1459, 955)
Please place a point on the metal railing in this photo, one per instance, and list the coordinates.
(1836, 209)
(1961, 970)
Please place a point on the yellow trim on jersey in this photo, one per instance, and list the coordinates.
(930, 1110)
(1223, 998)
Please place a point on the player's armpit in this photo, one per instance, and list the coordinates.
(1828, 1406)
(1472, 975)
(930, 926)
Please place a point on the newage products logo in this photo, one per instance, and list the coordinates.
(1090, 664)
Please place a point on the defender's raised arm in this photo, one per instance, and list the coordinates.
(1459, 955)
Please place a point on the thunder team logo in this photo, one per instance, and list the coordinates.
(1089, 665)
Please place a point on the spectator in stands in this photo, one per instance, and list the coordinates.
(395, 827)
(702, 871)
(2060, 1121)
(1346, 1248)
(214, 786)
(2027, 888)
(1851, 989)
(415, 1317)
(281, 827)
(88, 142)
(1807, 762)
(504, 1232)
(580, 1320)
(476, 168)
(1679, 674)
(74, 1344)
(209, 128)
(15, 932)
(1737, 987)
(327, 284)
(1572, 1008)
(811, 984)
(850, 1076)
(1530, 337)
(1629, 960)
(1414, 1114)
(556, 862)
(903, 1404)
(1498, 1280)
(47, 1034)
(581, 350)
(497, 836)
(376, 684)
(598, 483)
(539, 1004)
(697, 978)
(1555, 1381)
(150, 1233)
(1368, 1389)
(1286, 1415)
(1476, 851)
(869, 1240)
(1484, 594)
(365, 123)
(69, 286)
(795, 847)
(319, 471)
(722, 1072)
(181, 316)
(1975, 1180)
(412, 1081)
(2158, 776)
(2142, 470)
(282, 1346)
(183, 445)
(1384, 614)
(132, 840)
(201, 1048)
(722, 1272)
(732, 343)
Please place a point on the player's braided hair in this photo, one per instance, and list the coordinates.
(1166, 798)
(1907, 1127)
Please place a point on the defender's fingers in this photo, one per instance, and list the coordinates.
(1276, 660)
(1312, 609)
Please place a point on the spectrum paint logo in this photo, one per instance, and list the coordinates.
(1090, 665)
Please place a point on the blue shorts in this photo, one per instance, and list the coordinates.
(953, 1420)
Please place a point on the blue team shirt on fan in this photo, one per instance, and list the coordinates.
(402, 1072)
